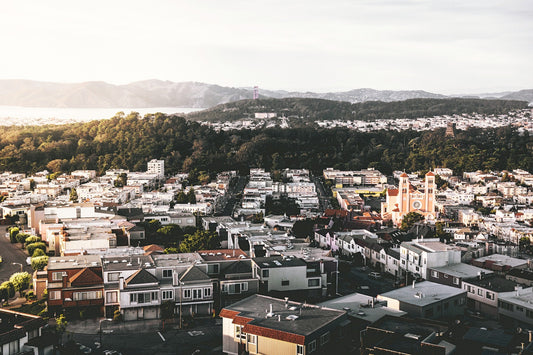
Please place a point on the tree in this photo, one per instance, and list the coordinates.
(73, 195)
(524, 242)
(191, 196)
(13, 231)
(410, 219)
(181, 197)
(167, 309)
(21, 281)
(121, 180)
(200, 240)
(39, 262)
(440, 233)
(4, 294)
(39, 245)
(38, 252)
(21, 238)
(31, 239)
(61, 326)
(10, 288)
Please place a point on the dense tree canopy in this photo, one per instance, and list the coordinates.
(131, 141)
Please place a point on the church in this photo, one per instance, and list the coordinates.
(406, 198)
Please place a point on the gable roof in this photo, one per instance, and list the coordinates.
(141, 277)
(193, 273)
(86, 277)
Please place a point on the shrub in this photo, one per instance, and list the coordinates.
(39, 245)
(39, 262)
(10, 288)
(32, 239)
(38, 252)
(13, 231)
(21, 238)
(117, 316)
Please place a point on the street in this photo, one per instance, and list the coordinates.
(200, 340)
(11, 253)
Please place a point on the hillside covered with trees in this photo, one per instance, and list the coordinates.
(131, 141)
(319, 109)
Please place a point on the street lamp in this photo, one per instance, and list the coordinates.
(101, 321)
(18, 264)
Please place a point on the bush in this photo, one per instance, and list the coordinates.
(38, 252)
(31, 248)
(21, 238)
(10, 288)
(13, 231)
(39, 262)
(32, 239)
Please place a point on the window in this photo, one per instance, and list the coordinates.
(90, 295)
(235, 288)
(58, 276)
(529, 313)
(186, 293)
(490, 295)
(265, 273)
(111, 297)
(143, 297)
(285, 283)
(519, 309)
(456, 281)
(54, 295)
(32, 334)
(167, 273)
(113, 276)
(461, 300)
(434, 273)
(313, 282)
(197, 293)
(212, 268)
(324, 339)
(14, 347)
(207, 292)
(167, 294)
(239, 333)
(299, 350)
(252, 339)
(311, 346)
(479, 292)
(133, 297)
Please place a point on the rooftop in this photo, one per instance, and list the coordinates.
(222, 254)
(500, 259)
(423, 293)
(493, 282)
(291, 321)
(363, 307)
(73, 262)
(278, 261)
(461, 270)
(119, 263)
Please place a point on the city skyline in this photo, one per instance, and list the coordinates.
(449, 48)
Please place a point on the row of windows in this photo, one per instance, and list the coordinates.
(488, 295)
(88, 295)
(251, 339)
(235, 288)
(143, 297)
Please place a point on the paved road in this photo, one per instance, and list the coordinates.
(323, 197)
(203, 340)
(11, 253)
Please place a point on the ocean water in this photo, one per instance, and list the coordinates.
(22, 116)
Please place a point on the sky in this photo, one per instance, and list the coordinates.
(442, 46)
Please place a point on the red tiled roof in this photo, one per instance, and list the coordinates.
(392, 192)
(274, 334)
(226, 313)
(153, 247)
(85, 277)
(404, 175)
(430, 173)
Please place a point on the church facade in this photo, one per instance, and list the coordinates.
(406, 198)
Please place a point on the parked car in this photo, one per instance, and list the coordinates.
(374, 275)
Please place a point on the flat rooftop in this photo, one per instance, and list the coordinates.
(363, 307)
(278, 261)
(461, 270)
(170, 260)
(119, 263)
(500, 259)
(223, 254)
(307, 319)
(423, 294)
(73, 262)
(493, 282)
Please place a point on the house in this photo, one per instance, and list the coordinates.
(21, 333)
(484, 292)
(427, 300)
(515, 308)
(419, 255)
(521, 276)
(75, 285)
(287, 275)
(454, 274)
(266, 325)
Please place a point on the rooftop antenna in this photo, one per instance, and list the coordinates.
(256, 92)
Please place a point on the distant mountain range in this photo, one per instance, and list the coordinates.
(158, 93)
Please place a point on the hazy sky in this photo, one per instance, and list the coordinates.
(443, 46)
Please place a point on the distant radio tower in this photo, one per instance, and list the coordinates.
(256, 92)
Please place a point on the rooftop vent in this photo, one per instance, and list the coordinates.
(292, 317)
(115, 261)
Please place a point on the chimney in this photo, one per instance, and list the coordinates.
(121, 283)
(64, 280)
(286, 302)
(279, 317)
(414, 281)
(270, 308)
